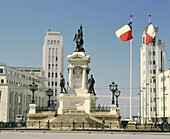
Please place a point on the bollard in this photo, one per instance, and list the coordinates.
(39, 124)
(73, 125)
(48, 123)
(83, 125)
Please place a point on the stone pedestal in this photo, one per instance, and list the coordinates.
(113, 109)
(32, 108)
(77, 97)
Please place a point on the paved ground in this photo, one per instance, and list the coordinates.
(79, 135)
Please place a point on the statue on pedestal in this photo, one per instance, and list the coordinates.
(91, 83)
(62, 84)
(78, 38)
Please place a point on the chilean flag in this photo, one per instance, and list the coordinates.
(150, 34)
(125, 33)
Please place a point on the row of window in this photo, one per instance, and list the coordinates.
(52, 74)
(53, 42)
(153, 53)
(52, 83)
(14, 83)
(18, 75)
(152, 62)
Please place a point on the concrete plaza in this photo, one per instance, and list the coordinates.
(4, 134)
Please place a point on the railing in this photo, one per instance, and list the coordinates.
(70, 125)
(12, 124)
(39, 109)
(100, 109)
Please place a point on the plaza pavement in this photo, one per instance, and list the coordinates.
(6, 134)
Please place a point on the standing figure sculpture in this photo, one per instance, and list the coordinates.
(62, 84)
(91, 83)
(78, 38)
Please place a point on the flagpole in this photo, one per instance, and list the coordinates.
(150, 59)
(131, 120)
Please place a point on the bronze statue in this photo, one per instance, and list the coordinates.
(91, 83)
(62, 84)
(78, 38)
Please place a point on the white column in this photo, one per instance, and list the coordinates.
(84, 78)
(71, 77)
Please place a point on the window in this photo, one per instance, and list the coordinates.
(55, 74)
(48, 41)
(49, 74)
(154, 80)
(54, 41)
(58, 42)
(150, 89)
(1, 70)
(56, 58)
(150, 62)
(150, 80)
(55, 92)
(153, 53)
(150, 71)
(55, 83)
(2, 80)
(153, 62)
(52, 74)
(52, 83)
(143, 40)
(0, 95)
(48, 83)
(56, 65)
(154, 71)
(51, 41)
(154, 99)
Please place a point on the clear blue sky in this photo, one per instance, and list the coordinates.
(24, 23)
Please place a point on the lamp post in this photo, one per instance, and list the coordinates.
(112, 87)
(117, 94)
(49, 93)
(33, 88)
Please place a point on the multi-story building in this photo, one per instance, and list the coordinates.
(53, 60)
(15, 94)
(150, 65)
(163, 97)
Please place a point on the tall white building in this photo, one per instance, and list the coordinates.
(53, 60)
(150, 65)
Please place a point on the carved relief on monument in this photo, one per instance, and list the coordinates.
(77, 73)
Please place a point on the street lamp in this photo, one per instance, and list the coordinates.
(112, 88)
(117, 94)
(49, 93)
(33, 88)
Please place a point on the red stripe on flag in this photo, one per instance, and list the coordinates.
(126, 36)
(148, 39)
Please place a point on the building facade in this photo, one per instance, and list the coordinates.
(163, 97)
(15, 94)
(53, 60)
(150, 64)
